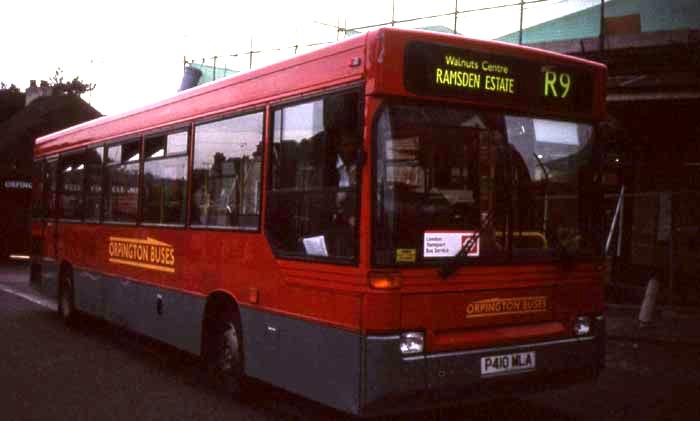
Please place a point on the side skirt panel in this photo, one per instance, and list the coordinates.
(316, 361)
(169, 316)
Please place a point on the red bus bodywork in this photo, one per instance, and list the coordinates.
(319, 329)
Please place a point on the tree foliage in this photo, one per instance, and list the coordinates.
(11, 88)
(74, 87)
(58, 84)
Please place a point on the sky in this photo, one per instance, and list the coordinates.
(133, 50)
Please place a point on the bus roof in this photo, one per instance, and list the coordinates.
(310, 71)
(374, 55)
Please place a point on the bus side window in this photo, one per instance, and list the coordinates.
(227, 172)
(70, 191)
(50, 187)
(313, 198)
(121, 173)
(93, 184)
(165, 178)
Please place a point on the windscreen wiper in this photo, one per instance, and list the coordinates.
(449, 266)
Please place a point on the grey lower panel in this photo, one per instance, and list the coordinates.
(368, 375)
(388, 374)
(169, 316)
(316, 361)
(395, 383)
(455, 370)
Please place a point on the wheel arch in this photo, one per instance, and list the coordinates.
(217, 304)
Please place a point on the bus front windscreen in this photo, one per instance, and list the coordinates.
(493, 186)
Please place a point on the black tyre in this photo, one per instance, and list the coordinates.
(224, 353)
(66, 303)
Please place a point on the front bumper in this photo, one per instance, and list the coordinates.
(395, 383)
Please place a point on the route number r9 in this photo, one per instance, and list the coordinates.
(557, 84)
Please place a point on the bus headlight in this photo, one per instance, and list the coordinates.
(411, 343)
(582, 326)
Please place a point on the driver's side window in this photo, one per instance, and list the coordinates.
(312, 206)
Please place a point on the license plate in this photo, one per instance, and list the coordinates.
(507, 363)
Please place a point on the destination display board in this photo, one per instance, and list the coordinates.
(448, 71)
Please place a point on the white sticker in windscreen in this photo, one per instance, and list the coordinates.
(315, 246)
(448, 243)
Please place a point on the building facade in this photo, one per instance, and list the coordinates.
(652, 140)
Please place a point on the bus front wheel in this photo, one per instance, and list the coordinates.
(225, 358)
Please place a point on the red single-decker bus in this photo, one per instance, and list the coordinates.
(402, 219)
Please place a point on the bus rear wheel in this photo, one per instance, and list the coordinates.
(66, 304)
(224, 355)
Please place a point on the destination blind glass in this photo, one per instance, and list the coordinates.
(440, 70)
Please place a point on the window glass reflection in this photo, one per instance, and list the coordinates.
(313, 200)
(176, 143)
(155, 147)
(122, 193)
(226, 172)
(93, 184)
(72, 171)
(164, 190)
(50, 188)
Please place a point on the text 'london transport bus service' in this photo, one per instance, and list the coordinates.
(402, 219)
